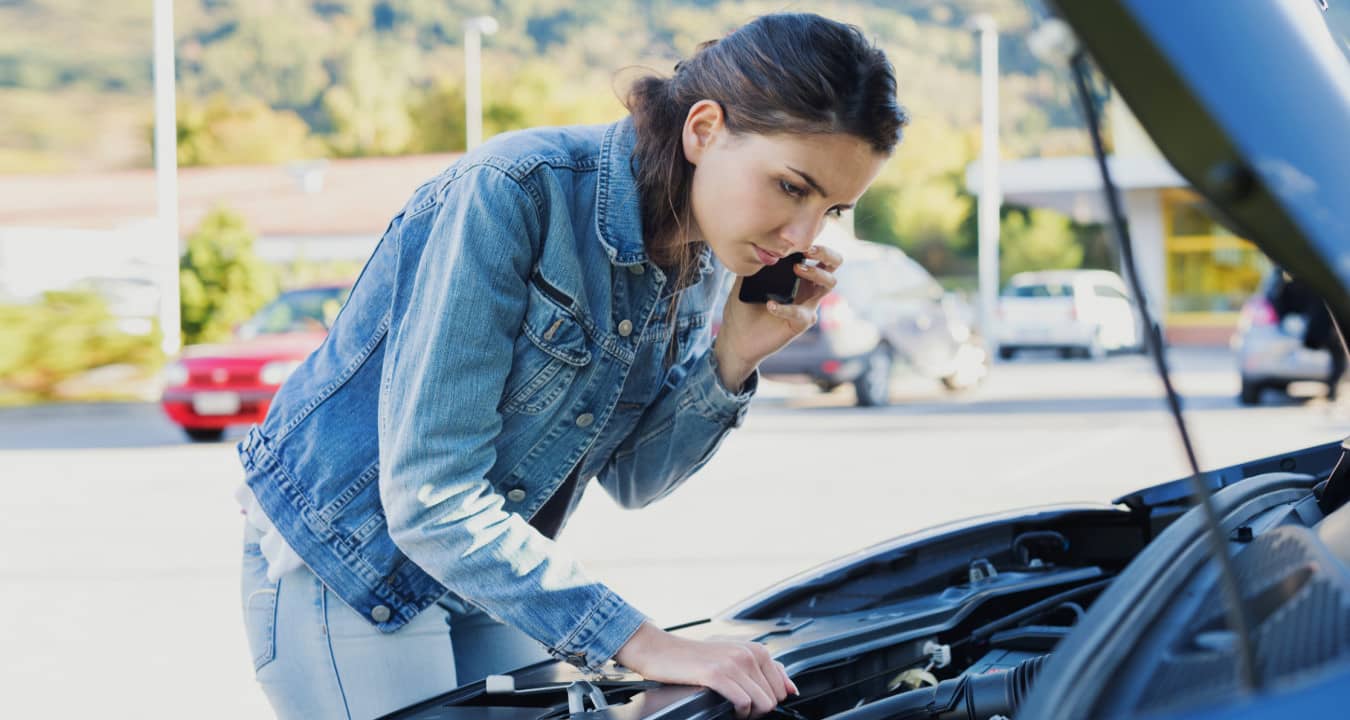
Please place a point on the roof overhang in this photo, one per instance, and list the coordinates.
(1073, 185)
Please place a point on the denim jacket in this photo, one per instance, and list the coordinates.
(507, 330)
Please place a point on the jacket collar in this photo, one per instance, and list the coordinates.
(618, 217)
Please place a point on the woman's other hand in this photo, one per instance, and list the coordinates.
(751, 331)
(741, 672)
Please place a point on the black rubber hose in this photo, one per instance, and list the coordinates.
(965, 698)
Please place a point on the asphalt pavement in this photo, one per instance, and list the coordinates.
(120, 539)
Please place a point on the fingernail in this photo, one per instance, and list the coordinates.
(812, 251)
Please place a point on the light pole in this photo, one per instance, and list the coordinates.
(991, 192)
(474, 30)
(166, 176)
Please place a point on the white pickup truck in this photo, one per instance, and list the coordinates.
(1076, 312)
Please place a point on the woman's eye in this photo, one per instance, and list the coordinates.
(835, 212)
(791, 189)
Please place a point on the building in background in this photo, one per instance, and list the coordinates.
(1196, 274)
(95, 230)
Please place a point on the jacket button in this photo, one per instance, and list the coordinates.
(379, 613)
(626, 328)
(637, 269)
(585, 420)
(516, 495)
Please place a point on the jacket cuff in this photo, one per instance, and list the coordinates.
(599, 636)
(711, 397)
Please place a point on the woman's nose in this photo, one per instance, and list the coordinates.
(801, 232)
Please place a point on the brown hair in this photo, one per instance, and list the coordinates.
(782, 73)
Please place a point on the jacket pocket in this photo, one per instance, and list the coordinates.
(549, 354)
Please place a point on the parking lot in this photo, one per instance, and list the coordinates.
(121, 540)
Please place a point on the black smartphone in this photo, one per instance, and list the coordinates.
(777, 282)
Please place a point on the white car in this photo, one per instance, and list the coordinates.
(1077, 312)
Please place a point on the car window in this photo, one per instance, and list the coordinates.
(307, 310)
(1039, 290)
(1104, 291)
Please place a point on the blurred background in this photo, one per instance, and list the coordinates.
(152, 301)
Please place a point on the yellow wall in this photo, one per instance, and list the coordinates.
(1210, 272)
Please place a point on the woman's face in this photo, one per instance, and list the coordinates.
(757, 198)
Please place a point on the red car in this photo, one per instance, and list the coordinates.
(215, 386)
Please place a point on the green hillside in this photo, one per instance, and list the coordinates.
(264, 81)
(384, 76)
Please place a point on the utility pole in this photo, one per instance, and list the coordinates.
(991, 192)
(474, 30)
(166, 177)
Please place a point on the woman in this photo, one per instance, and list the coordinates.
(535, 317)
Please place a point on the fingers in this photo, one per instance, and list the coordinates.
(816, 274)
(736, 695)
(751, 681)
(789, 687)
(827, 257)
(766, 673)
(798, 317)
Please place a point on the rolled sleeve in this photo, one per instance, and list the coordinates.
(712, 397)
(677, 434)
(601, 633)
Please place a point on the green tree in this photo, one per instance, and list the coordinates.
(221, 132)
(223, 280)
(60, 336)
(918, 202)
(437, 114)
(368, 108)
(1037, 240)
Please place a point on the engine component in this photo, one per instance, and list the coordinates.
(969, 697)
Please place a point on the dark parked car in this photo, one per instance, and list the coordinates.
(1269, 344)
(1119, 610)
(887, 313)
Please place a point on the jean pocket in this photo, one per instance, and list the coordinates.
(260, 607)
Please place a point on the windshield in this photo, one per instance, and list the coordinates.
(310, 310)
(1039, 290)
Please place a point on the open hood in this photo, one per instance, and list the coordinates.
(1250, 102)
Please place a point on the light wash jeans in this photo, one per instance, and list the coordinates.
(317, 658)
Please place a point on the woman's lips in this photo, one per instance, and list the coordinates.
(765, 257)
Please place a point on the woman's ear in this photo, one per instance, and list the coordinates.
(702, 127)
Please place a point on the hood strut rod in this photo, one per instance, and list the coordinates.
(1232, 593)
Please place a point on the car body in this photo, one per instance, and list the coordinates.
(1085, 313)
(886, 312)
(1116, 610)
(947, 598)
(1270, 351)
(213, 387)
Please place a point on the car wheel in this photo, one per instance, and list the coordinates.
(874, 387)
(1251, 392)
(1006, 353)
(1068, 353)
(205, 434)
(1095, 349)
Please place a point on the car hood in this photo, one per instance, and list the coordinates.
(282, 346)
(1252, 112)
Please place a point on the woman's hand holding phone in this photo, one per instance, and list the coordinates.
(752, 331)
